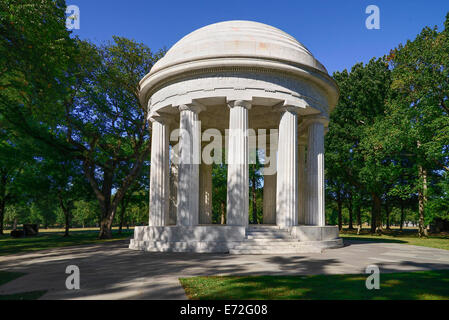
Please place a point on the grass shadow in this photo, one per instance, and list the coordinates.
(10, 276)
(48, 240)
(421, 285)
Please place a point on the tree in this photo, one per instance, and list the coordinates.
(15, 157)
(35, 50)
(86, 212)
(61, 180)
(99, 121)
(363, 93)
(107, 123)
(419, 106)
(255, 178)
(219, 185)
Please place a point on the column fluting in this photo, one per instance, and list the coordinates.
(301, 183)
(287, 172)
(159, 173)
(315, 175)
(238, 164)
(188, 168)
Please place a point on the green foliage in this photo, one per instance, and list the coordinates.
(350, 163)
(389, 134)
(219, 193)
(438, 205)
(78, 102)
(86, 213)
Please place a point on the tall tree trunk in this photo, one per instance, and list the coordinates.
(67, 224)
(108, 204)
(66, 211)
(387, 213)
(2, 214)
(376, 221)
(253, 189)
(351, 227)
(340, 208)
(2, 200)
(422, 199)
(222, 205)
(107, 217)
(402, 214)
(359, 218)
(123, 205)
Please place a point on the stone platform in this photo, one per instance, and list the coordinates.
(254, 239)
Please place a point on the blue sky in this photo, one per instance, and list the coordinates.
(334, 31)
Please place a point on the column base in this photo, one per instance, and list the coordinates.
(325, 236)
(315, 233)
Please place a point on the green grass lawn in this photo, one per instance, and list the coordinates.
(53, 239)
(421, 285)
(440, 241)
(9, 276)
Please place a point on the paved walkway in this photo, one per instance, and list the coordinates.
(112, 271)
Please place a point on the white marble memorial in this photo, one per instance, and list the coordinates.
(226, 79)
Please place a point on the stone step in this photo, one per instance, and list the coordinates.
(275, 240)
(335, 243)
(267, 245)
(269, 236)
(299, 250)
(264, 227)
(262, 235)
(268, 232)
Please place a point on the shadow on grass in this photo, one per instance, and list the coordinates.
(394, 286)
(47, 240)
(34, 295)
(9, 276)
(440, 240)
(356, 240)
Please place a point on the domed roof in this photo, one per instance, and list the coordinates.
(238, 39)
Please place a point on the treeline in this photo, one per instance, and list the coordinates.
(387, 145)
(73, 133)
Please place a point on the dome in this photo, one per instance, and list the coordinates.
(239, 39)
(236, 58)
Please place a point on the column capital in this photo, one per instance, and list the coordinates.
(308, 120)
(161, 117)
(282, 107)
(239, 103)
(194, 107)
(318, 118)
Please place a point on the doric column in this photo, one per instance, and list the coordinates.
(188, 168)
(159, 172)
(314, 214)
(173, 208)
(301, 182)
(238, 184)
(205, 193)
(287, 173)
(269, 199)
